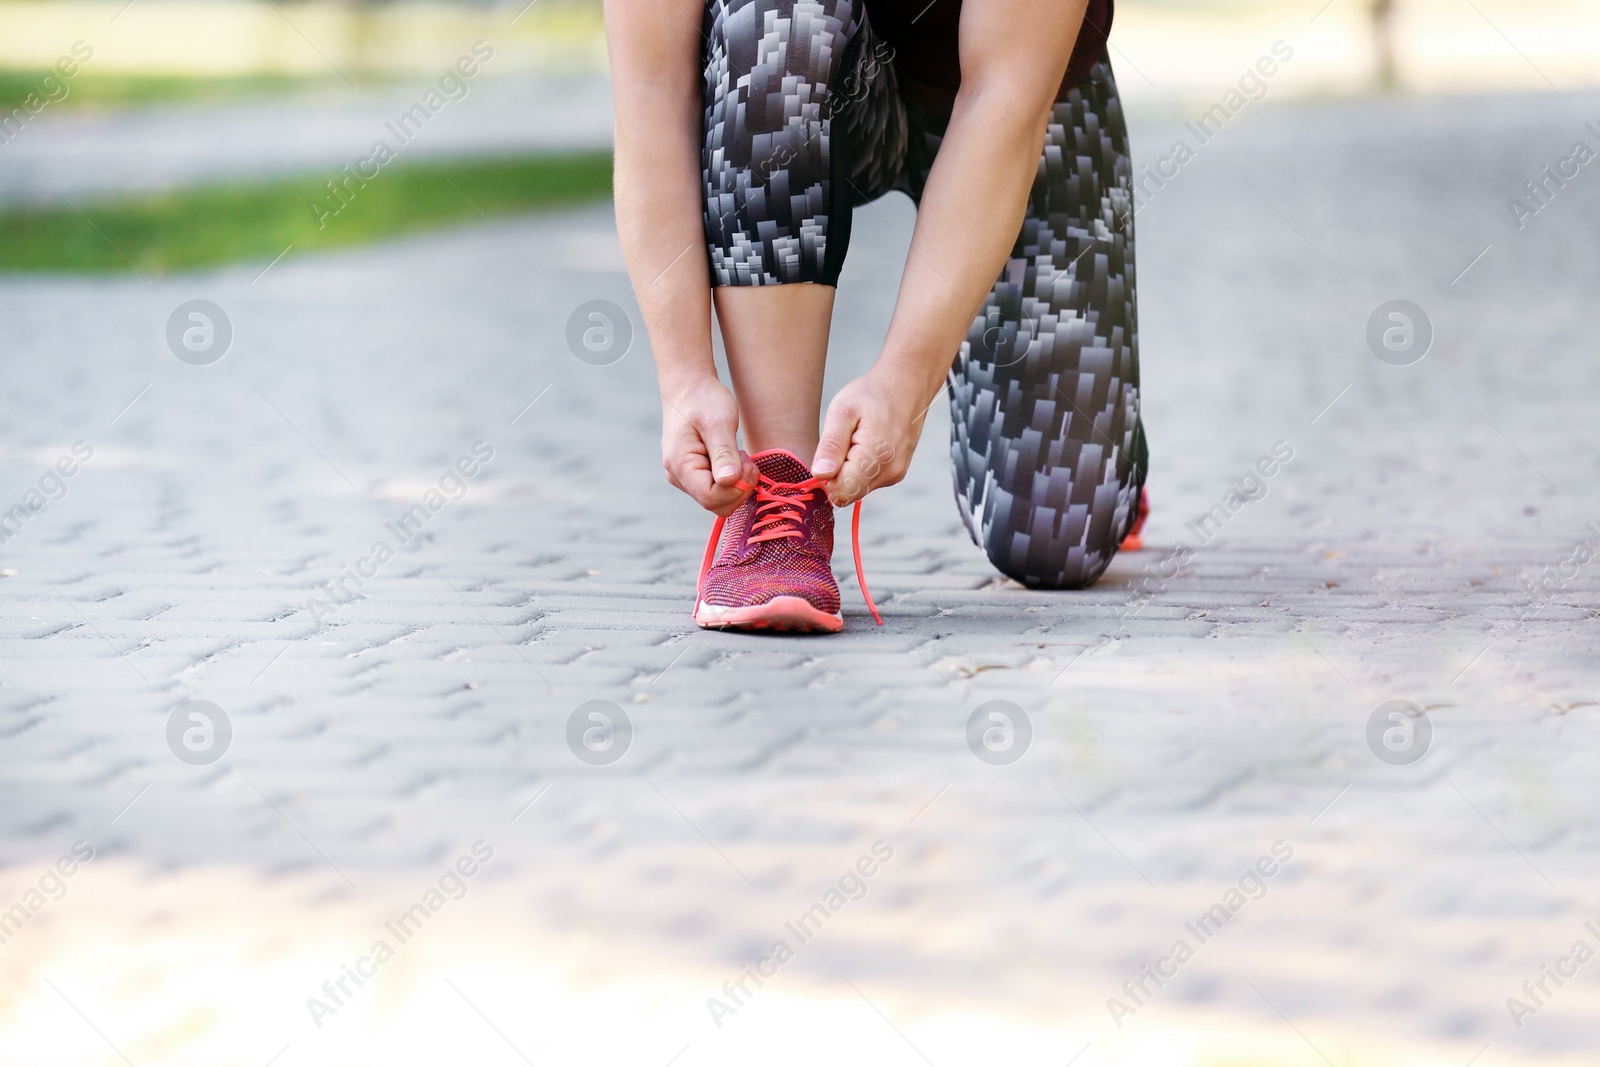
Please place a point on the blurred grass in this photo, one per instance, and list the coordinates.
(244, 221)
(112, 90)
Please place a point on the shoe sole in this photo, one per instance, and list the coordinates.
(787, 614)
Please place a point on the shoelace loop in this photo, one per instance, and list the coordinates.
(779, 509)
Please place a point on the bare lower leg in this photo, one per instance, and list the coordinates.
(777, 342)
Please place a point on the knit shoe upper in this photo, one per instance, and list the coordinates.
(779, 543)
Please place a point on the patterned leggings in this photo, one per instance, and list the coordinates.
(803, 121)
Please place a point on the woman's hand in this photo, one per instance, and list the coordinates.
(699, 445)
(870, 434)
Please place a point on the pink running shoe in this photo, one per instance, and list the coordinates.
(774, 569)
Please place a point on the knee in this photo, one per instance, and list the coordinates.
(1045, 547)
(1054, 566)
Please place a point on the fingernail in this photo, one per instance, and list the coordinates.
(727, 472)
(824, 466)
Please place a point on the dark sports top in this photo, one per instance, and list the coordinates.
(923, 35)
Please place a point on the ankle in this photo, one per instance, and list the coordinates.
(801, 447)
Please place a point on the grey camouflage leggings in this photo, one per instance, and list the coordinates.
(803, 121)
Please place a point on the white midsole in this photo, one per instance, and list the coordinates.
(705, 612)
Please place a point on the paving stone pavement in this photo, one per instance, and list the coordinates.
(1185, 719)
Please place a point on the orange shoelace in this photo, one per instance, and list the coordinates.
(779, 510)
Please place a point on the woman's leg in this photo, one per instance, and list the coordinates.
(800, 111)
(776, 338)
(1046, 442)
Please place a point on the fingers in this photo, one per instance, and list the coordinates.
(750, 476)
(721, 441)
(853, 481)
(866, 467)
(837, 430)
(699, 449)
(724, 499)
(694, 478)
(734, 475)
(689, 468)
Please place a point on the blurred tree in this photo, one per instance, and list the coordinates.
(1383, 42)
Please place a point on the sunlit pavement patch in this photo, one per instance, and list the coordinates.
(166, 972)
